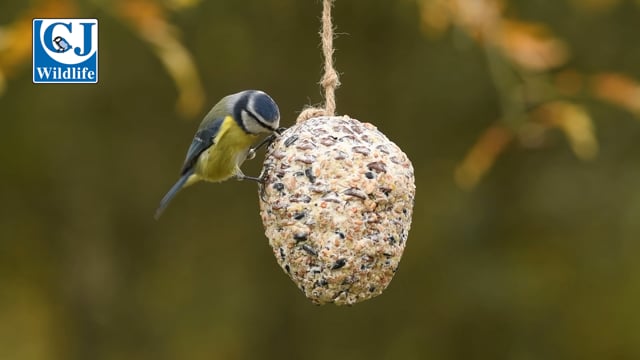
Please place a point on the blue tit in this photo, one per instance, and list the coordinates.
(223, 140)
(61, 44)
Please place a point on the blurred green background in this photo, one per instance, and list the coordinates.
(536, 260)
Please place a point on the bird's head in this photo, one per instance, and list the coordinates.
(255, 111)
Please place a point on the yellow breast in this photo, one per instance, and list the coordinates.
(223, 159)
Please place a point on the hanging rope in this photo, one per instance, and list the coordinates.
(330, 80)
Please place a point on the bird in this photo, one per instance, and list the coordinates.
(61, 44)
(224, 138)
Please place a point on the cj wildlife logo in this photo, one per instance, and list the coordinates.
(65, 51)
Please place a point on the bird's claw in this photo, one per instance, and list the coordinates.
(251, 154)
(242, 177)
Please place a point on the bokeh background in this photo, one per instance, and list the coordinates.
(521, 118)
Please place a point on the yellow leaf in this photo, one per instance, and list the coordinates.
(148, 19)
(574, 121)
(532, 46)
(482, 156)
(617, 89)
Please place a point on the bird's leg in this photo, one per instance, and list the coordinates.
(266, 141)
(252, 178)
(240, 176)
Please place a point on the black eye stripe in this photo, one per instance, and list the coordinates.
(258, 120)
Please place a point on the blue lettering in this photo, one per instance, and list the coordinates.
(87, 40)
(48, 35)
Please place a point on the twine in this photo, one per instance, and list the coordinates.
(330, 80)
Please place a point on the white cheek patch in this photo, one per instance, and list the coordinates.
(252, 125)
(266, 123)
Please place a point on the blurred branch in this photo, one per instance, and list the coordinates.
(507, 84)
(617, 89)
(482, 155)
(531, 46)
(574, 121)
(520, 58)
(148, 19)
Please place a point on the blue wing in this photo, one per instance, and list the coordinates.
(203, 139)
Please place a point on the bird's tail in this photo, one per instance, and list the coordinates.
(172, 193)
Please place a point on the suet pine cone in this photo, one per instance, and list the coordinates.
(336, 204)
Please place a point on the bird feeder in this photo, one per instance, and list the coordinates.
(336, 204)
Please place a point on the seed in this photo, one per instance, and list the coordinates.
(338, 264)
(332, 197)
(328, 141)
(377, 166)
(343, 129)
(279, 155)
(290, 140)
(318, 189)
(318, 132)
(279, 206)
(348, 280)
(382, 149)
(298, 237)
(300, 198)
(341, 155)
(309, 173)
(361, 150)
(336, 295)
(309, 250)
(305, 146)
(355, 193)
(308, 159)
